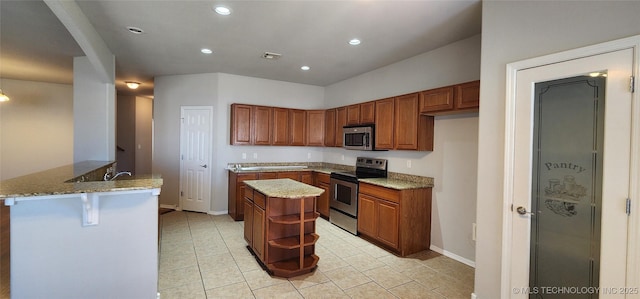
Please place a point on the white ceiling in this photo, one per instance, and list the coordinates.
(34, 45)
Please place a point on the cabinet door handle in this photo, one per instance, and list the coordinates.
(203, 166)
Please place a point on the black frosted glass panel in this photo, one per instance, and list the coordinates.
(566, 187)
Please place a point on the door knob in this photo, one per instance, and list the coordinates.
(203, 166)
(523, 211)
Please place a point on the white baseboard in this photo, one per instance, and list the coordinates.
(216, 213)
(473, 296)
(454, 256)
(173, 207)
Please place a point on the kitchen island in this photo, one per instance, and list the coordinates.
(74, 235)
(280, 226)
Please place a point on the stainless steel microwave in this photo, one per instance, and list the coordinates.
(359, 137)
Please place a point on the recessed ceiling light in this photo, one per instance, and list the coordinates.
(221, 10)
(305, 68)
(354, 42)
(135, 30)
(206, 51)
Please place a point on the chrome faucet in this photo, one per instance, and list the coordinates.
(107, 176)
(119, 174)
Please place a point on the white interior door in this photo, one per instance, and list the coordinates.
(195, 154)
(612, 222)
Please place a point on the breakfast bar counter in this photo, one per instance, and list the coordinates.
(280, 226)
(74, 234)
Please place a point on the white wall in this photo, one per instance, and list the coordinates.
(220, 91)
(453, 161)
(36, 127)
(144, 135)
(513, 31)
(171, 92)
(247, 90)
(94, 113)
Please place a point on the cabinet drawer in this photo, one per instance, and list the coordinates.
(259, 199)
(294, 175)
(248, 193)
(267, 175)
(323, 178)
(380, 192)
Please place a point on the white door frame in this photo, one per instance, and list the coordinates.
(633, 267)
(182, 111)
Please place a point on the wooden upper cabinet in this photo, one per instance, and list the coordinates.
(368, 112)
(353, 114)
(406, 122)
(280, 126)
(315, 127)
(241, 124)
(341, 121)
(297, 127)
(330, 127)
(468, 95)
(262, 124)
(439, 99)
(451, 99)
(384, 124)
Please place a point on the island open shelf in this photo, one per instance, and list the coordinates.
(280, 225)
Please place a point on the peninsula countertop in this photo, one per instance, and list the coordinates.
(284, 188)
(62, 180)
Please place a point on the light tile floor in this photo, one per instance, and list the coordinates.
(204, 256)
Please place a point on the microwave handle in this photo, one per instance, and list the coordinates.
(366, 140)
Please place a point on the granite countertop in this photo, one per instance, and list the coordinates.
(284, 188)
(398, 184)
(60, 180)
(398, 181)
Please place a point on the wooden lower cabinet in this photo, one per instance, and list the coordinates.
(388, 213)
(248, 221)
(399, 220)
(236, 203)
(294, 175)
(257, 242)
(306, 177)
(267, 175)
(283, 233)
(254, 224)
(235, 200)
(367, 219)
(322, 202)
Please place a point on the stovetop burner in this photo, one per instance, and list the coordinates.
(365, 168)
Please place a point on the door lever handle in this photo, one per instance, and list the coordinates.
(523, 211)
(203, 166)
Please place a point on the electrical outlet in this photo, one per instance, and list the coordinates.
(342, 157)
(255, 155)
(309, 156)
(408, 163)
(244, 156)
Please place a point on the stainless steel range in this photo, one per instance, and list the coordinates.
(343, 192)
